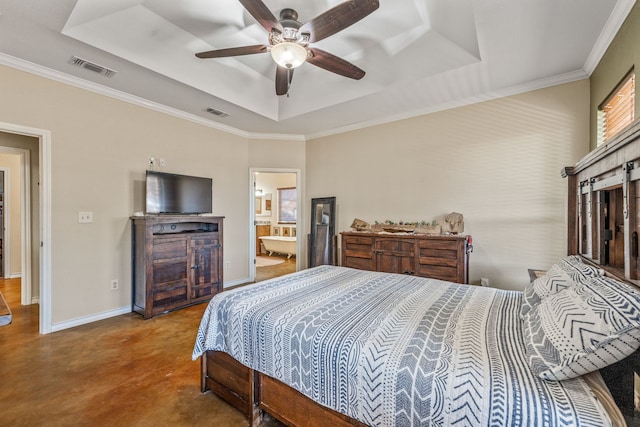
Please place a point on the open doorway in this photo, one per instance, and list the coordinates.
(32, 146)
(10, 216)
(3, 206)
(15, 162)
(275, 239)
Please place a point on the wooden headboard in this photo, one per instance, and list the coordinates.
(603, 226)
(603, 198)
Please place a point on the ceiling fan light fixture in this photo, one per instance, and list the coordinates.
(289, 54)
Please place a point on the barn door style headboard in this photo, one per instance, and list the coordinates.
(603, 218)
(603, 227)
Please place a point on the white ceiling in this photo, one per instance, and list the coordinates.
(420, 56)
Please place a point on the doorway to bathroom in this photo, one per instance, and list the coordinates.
(275, 240)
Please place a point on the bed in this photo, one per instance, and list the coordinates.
(338, 346)
(331, 346)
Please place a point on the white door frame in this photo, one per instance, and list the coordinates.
(252, 217)
(44, 138)
(6, 222)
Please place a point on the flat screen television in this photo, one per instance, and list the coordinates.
(168, 193)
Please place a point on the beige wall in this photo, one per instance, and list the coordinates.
(497, 162)
(11, 208)
(276, 154)
(621, 56)
(100, 148)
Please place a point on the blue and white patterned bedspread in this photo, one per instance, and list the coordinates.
(394, 350)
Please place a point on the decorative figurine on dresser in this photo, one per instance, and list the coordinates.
(177, 245)
(435, 249)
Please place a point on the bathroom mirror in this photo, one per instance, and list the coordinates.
(322, 237)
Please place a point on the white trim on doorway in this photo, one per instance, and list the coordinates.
(44, 299)
(252, 216)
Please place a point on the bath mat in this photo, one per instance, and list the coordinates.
(265, 261)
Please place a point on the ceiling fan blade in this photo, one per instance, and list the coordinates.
(338, 18)
(283, 80)
(262, 14)
(330, 62)
(233, 51)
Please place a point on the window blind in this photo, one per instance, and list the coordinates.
(619, 109)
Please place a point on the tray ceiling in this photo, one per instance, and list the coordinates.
(419, 55)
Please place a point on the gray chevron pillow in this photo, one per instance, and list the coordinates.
(564, 274)
(582, 328)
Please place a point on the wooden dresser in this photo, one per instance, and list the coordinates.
(435, 256)
(177, 261)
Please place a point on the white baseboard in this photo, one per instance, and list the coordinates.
(88, 319)
(117, 312)
(236, 282)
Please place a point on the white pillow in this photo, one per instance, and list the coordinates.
(582, 328)
(562, 275)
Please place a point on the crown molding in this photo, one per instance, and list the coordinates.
(510, 91)
(278, 136)
(612, 26)
(39, 70)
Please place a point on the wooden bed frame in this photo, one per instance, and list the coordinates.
(603, 227)
(254, 393)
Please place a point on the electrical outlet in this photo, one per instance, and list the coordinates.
(227, 265)
(152, 161)
(114, 284)
(85, 217)
(161, 162)
(484, 281)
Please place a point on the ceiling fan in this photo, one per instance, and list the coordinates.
(289, 39)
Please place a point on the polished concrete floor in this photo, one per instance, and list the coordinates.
(122, 371)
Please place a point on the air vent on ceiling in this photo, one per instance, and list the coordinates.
(217, 112)
(92, 66)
